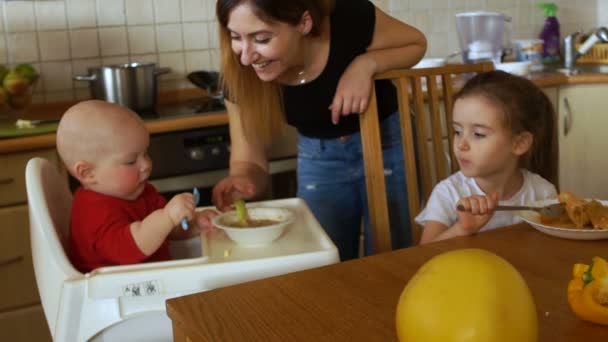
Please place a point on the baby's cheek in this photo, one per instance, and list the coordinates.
(129, 180)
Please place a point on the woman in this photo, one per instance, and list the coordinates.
(312, 62)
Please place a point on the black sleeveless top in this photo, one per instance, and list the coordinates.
(306, 106)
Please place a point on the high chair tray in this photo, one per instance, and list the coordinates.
(304, 235)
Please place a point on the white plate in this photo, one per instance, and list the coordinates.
(567, 233)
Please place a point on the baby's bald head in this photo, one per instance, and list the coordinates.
(89, 127)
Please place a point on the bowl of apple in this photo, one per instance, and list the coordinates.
(16, 88)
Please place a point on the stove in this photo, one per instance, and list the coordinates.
(188, 108)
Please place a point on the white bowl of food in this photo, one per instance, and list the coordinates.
(264, 225)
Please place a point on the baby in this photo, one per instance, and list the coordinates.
(117, 216)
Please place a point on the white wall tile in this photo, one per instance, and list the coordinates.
(23, 47)
(196, 36)
(56, 76)
(139, 12)
(54, 45)
(20, 16)
(169, 37)
(51, 15)
(145, 58)
(81, 13)
(113, 41)
(167, 11)
(3, 51)
(115, 60)
(198, 60)
(141, 39)
(176, 62)
(84, 43)
(182, 34)
(193, 10)
(110, 12)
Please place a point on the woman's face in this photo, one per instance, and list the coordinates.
(271, 49)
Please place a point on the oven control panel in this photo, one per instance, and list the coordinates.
(186, 152)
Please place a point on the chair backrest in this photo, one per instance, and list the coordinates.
(426, 135)
(50, 202)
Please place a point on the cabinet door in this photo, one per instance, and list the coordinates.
(583, 140)
(18, 285)
(24, 325)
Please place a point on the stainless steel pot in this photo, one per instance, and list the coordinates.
(130, 85)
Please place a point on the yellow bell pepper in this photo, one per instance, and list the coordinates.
(588, 291)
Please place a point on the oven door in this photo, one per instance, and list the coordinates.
(282, 175)
(199, 158)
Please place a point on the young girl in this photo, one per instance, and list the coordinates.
(505, 145)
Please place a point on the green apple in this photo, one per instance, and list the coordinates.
(27, 71)
(3, 72)
(15, 84)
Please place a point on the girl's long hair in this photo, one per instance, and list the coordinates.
(259, 101)
(526, 108)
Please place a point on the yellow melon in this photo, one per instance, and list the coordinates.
(467, 295)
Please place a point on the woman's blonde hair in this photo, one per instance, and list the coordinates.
(259, 101)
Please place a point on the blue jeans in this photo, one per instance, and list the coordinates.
(331, 179)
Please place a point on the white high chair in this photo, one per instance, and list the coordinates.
(121, 303)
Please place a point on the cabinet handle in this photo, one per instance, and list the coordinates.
(567, 117)
(5, 181)
(12, 260)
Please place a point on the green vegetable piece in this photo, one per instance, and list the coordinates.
(587, 277)
(241, 212)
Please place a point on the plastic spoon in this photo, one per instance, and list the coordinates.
(197, 197)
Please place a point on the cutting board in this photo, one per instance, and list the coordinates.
(8, 129)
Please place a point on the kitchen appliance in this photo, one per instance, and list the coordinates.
(481, 36)
(131, 85)
(208, 80)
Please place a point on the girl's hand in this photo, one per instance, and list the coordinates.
(354, 87)
(179, 207)
(475, 211)
(231, 188)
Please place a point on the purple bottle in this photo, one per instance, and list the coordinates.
(550, 34)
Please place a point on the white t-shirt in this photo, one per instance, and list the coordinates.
(441, 206)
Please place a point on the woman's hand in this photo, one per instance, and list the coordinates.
(232, 188)
(475, 212)
(354, 87)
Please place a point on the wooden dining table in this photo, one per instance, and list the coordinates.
(356, 300)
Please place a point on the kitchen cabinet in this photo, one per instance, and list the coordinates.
(21, 314)
(583, 140)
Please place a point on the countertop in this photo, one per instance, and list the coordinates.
(54, 111)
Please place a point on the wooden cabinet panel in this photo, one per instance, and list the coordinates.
(12, 174)
(18, 285)
(24, 325)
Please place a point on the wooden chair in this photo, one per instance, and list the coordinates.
(427, 128)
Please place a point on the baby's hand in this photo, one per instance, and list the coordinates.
(475, 211)
(203, 220)
(179, 207)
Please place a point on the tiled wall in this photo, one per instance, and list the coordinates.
(62, 38)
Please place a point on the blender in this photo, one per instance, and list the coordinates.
(481, 35)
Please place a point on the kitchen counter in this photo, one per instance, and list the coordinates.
(53, 111)
(161, 125)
